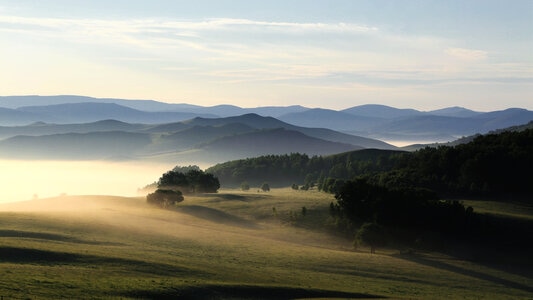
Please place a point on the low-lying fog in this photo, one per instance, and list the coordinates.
(25, 180)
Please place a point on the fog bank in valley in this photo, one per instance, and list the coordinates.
(25, 180)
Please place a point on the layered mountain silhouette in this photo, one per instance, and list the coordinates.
(45, 126)
(388, 123)
(209, 140)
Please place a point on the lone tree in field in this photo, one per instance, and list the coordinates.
(265, 187)
(371, 234)
(164, 198)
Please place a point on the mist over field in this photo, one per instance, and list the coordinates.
(30, 179)
(233, 149)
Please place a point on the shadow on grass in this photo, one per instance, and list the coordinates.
(215, 215)
(243, 292)
(50, 237)
(216, 197)
(44, 257)
(482, 276)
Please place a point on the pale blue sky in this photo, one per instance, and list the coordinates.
(331, 54)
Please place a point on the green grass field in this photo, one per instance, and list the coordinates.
(230, 245)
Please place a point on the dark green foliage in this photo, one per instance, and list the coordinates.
(174, 179)
(265, 187)
(299, 168)
(332, 185)
(371, 234)
(194, 181)
(164, 198)
(294, 186)
(184, 170)
(491, 165)
(404, 207)
(245, 186)
(200, 182)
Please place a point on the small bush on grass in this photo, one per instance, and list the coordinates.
(164, 198)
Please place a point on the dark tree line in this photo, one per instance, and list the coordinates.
(491, 165)
(284, 170)
(418, 217)
(361, 201)
(396, 190)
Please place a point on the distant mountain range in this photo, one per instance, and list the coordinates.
(206, 140)
(371, 121)
(388, 123)
(61, 104)
(77, 127)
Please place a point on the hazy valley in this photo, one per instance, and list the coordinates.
(286, 221)
(74, 127)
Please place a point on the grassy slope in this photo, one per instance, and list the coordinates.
(227, 245)
(508, 209)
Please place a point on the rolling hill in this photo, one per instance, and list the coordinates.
(260, 122)
(92, 112)
(381, 111)
(41, 128)
(209, 140)
(327, 118)
(428, 126)
(455, 111)
(223, 110)
(370, 121)
(275, 141)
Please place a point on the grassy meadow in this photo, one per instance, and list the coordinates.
(229, 245)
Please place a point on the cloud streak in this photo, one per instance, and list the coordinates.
(467, 54)
(233, 52)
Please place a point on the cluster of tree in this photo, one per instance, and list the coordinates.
(284, 170)
(396, 189)
(361, 201)
(164, 198)
(193, 181)
(492, 164)
(171, 186)
(265, 187)
(185, 169)
(383, 210)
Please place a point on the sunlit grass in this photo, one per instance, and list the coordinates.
(511, 209)
(226, 245)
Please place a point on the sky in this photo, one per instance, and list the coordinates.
(331, 54)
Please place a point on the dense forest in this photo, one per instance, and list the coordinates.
(492, 165)
(400, 193)
(285, 170)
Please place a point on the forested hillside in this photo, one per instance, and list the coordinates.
(284, 170)
(491, 165)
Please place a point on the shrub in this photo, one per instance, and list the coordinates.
(372, 235)
(164, 198)
(265, 187)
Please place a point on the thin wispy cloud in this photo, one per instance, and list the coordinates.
(467, 54)
(230, 55)
(181, 28)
